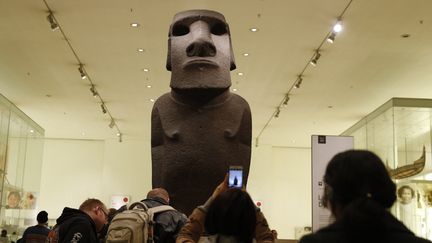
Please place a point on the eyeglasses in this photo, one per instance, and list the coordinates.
(103, 211)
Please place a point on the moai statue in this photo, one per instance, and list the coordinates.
(200, 128)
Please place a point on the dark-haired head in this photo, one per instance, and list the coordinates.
(42, 217)
(232, 213)
(358, 174)
(358, 192)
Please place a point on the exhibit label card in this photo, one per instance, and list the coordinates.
(323, 149)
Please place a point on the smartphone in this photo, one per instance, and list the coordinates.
(235, 176)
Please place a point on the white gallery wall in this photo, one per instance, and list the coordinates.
(74, 170)
(280, 179)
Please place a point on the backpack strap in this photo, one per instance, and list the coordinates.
(138, 205)
(152, 212)
(160, 209)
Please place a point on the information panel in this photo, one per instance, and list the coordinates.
(323, 149)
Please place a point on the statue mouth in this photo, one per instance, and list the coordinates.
(200, 63)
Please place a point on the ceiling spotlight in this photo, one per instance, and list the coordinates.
(315, 58)
(277, 112)
(103, 108)
(234, 89)
(31, 131)
(149, 86)
(245, 54)
(51, 20)
(112, 123)
(145, 69)
(298, 82)
(82, 72)
(338, 26)
(140, 50)
(240, 74)
(331, 37)
(93, 90)
(152, 100)
(118, 134)
(286, 99)
(253, 29)
(134, 25)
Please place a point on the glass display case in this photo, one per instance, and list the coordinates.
(399, 132)
(21, 148)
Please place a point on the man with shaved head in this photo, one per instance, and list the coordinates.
(200, 128)
(168, 223)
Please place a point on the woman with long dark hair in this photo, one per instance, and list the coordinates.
(359, 192)
(229, 216)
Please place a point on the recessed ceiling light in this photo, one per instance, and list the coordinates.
(145, 69)
(149, 86)
(134, 25)
(31, 131)
(245, 54)
(140, 50)
(152, 100)
(234, 89)
(253, 29)
(240, 74)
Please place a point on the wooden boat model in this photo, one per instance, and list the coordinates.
(411, 169)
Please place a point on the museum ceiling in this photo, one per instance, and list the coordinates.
(383, 51)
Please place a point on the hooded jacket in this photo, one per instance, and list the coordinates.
(75, 226)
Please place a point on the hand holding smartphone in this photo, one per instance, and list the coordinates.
(235, 176)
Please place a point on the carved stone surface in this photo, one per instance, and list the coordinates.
(200, 128)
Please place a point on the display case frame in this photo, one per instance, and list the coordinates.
(400, 133)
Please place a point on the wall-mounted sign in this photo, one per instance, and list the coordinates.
(119, 200)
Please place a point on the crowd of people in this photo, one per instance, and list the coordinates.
(358, 191)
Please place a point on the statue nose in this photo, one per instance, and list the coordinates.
(202, 44)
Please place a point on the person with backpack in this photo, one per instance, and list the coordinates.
(168, 223)
(150, 220)
(80, 225)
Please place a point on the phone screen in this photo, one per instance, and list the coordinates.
(235, 178)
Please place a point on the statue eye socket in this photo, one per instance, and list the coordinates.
(219, 29)
(179, 30)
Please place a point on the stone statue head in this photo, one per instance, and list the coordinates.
(200, 54)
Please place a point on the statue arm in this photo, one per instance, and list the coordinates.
(156, 128)
(245, 131)
(156, 148)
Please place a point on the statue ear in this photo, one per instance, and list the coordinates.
(168, 63)
(232, 61)
(233, 65)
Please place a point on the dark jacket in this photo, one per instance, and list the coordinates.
(393, 231)
(37, 233)
(168, 223)
(76, 226)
